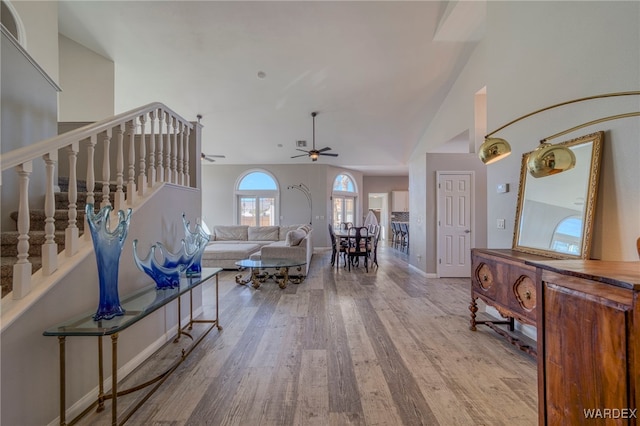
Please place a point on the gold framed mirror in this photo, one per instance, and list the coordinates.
(554, 214)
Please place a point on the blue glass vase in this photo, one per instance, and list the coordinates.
(195, 241)
(108, 248)
(166, 270)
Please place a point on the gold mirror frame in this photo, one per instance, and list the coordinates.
(539, 219)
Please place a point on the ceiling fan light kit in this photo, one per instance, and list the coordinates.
(314, 153)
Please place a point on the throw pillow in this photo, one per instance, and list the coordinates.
(295, 237)
(263, 233)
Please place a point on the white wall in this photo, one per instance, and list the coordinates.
(535, 54)
(455, 116)
(87, 80)
(378, 184)
(40, 20)
(29, 113)
(29, 367)
(549, 52)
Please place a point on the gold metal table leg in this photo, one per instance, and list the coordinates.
(63, 409)
(217, 305)
(285, 277)
(190, 310)
(179, 320)
(114, 379)
(100, 377)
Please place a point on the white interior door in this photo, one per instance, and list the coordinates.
(454, 223)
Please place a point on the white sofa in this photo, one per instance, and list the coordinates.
(230, 243)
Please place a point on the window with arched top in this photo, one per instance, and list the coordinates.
(567, 237)
(344, 195)
(9, 18)
(257, 198)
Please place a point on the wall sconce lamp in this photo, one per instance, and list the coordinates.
(547, 159)
(305, 190)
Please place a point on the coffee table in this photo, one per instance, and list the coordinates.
(258, 274)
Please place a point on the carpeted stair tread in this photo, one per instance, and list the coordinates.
(37, 219)
(9, 242)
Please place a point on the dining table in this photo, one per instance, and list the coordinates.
(343, 235)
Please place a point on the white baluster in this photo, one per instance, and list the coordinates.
(160, 168)
(49, 248)
(187, 176)
(106, 169)
(174, 152)
(91, 181)
(118, 198)
(22, 269)
(71, 233)
(167, 153)
(151, 172)
(131, 182)
(180, 153)
(142, 172)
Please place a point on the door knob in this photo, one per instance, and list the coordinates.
(467, 231)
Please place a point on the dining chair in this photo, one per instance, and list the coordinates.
(358, 247)
(338, 248)
(373, 242)
(395, 233)
(334, 245)
(404, 236)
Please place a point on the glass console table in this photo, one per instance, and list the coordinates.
(137, 306)
(258, 275)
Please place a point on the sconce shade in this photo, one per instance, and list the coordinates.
(494, 149)
(548, 159)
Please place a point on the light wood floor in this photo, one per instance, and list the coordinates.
(388, 347)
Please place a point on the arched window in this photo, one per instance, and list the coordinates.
(12, 22)
(257, 199)
(344, 197)
(567, 238)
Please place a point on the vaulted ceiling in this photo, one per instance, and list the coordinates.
(375, 72)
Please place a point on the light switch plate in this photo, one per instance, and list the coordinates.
(502, 188)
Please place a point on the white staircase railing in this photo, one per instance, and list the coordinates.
(157, 153)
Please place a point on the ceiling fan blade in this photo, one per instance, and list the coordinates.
(210, 157)
(302, 150)
(301, 155)
(325, 153)
(324, 149)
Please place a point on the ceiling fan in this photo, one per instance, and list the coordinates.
(210, 157)
(315, 153)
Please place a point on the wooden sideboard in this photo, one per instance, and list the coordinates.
(502, 279)
(587, 319)
(588, 342)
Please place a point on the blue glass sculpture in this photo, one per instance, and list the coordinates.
(166, 270)
(196, 242)
(108, 248)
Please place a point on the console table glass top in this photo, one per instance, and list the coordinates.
(137, 306)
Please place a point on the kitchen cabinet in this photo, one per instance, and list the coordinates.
(399, 201)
